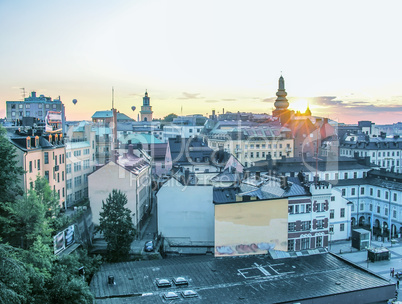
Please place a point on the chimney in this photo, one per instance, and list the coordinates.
(187, 176)
(130, 149)
(33, 94)
(284, 182)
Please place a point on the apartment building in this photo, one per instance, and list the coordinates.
(80, 161)
(35, 106)
(41, 155)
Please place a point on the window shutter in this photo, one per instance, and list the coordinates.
(326, 223)
(326, 205)
(315, 206)
(314, 224)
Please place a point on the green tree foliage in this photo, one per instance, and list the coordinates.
(117, 226)
(170, 117)
(10, 173)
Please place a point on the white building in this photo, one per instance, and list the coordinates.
(129, 174)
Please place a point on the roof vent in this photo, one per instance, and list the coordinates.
(110, 280)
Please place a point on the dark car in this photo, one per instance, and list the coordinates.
(149, 246)
(399, 275)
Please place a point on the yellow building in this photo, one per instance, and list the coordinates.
(251, 144)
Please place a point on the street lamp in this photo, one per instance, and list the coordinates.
(389, 216)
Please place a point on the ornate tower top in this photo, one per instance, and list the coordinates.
(145, 99)
(281, 102)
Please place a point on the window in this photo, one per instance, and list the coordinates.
(362, 191)
(361, 207)
(346, 175)
(291, 209)
(291, 245)
(395, 197)
(77, 195)
(291, 226)
(336, 176)
(38, 164)
(30, 166)
(251, 154)
(62, 175)
(86, 151)
(331, 213)
(68, 168)
(296, 209)
(251, 146)
(394, 213)
(86, 164)
(386, 194)
(378, 193)
(378, 209)
(343, 192)
(355, 175)
(47, 175)
(332, 198)
(353, 191)
(69, 184)
(305, 243)
(371, 191)
(46, 157)
(386, 211)
(326, 176)
(331, 229)
(342, 227)
(77, 166)
(77, 181)
(306, 225)
(320, 224)
(77, 153)
(342, 212)
(257, 154)
(318, 241)
(371, 207)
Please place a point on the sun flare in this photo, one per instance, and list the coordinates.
(299, 105)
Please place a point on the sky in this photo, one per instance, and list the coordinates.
(342, 58)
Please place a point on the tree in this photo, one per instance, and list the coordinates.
(169, 118)
(10, 173)
(117, 226)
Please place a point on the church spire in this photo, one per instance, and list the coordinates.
(281, 102)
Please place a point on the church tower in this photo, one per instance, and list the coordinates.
(146, 109)
(281, 104)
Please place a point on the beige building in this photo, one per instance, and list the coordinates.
(251, 144)
(43, 156)
(131, 175)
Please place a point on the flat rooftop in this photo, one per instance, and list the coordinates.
(321, 278)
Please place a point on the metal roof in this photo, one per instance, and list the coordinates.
(247, 279)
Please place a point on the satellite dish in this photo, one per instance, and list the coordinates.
(133, 108)
(74, 101)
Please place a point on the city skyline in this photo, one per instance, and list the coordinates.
(341, 58)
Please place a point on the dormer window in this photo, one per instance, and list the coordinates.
(36, 141)
(50, 138)
(28, 142)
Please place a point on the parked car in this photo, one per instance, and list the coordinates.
(149, 246)
(399, 275)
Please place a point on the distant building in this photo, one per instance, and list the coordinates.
(146, 108)
(386, 152)
(37, 107)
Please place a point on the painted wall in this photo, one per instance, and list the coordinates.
(253, 227)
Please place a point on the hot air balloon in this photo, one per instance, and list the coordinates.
(74, 101)
(133, 108)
